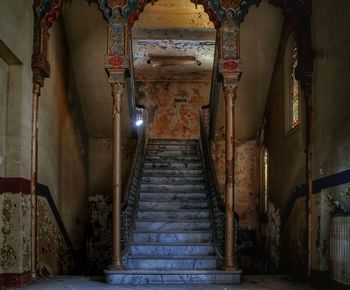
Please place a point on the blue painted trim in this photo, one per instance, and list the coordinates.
(318, 184)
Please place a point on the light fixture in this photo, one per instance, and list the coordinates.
(164, 61)
(140, 115)
(139, 123)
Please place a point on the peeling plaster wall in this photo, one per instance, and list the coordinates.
(173, 108)
(54, 256)
(245, 194)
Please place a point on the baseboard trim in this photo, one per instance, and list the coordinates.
(11, 280)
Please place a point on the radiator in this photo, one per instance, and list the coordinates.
(340, 248)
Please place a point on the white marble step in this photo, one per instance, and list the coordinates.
(172, 237)
(166, 180)
(172, 262)
(173, 196)
(172, 141)
(180, 188)
(160, 249)
(172, 205)
(173, 147)
(179, 152)
(167, 165)
(172, 159)
(173, 214)
(162, 277)
(172, 172)
(173, 225)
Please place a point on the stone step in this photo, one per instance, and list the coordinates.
(175, 147)
(172, 172)
(173, 225)
(172, 237)
(172, 141)
(171, 153)
(172, 263)
(172, 249)
(181, 214)
(172, 205)
(161, 277)
(172, 196)
(195, 165)
(188, 180)
(179, 188)
(172, 159)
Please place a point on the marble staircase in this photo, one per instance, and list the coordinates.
(172, 241)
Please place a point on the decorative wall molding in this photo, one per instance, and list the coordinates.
(319, 184)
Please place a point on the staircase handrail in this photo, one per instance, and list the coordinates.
(214, 90)
(132, 192)
(216, 204)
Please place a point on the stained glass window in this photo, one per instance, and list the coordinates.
(295, 91)
(265, 178)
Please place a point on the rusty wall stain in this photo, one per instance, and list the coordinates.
(173, 108)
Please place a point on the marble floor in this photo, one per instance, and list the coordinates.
(272, 282)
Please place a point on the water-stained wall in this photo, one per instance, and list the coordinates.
(173, 108)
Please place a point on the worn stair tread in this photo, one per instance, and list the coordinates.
(156, 244)
(172, 211)
(177, 220)
(172, 201)
(175, 258)
(209, 230)
(174, 272)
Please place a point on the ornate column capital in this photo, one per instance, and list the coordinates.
(116, 60)
(40, 64)
(231, 71)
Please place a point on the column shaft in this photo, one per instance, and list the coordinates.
(230, 94)
(117, 93)
(33, 181)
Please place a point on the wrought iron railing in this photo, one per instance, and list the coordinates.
(216, 204)
(132, 192)
(214, 92)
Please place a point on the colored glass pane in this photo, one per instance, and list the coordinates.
(295, 91)
(265, 185)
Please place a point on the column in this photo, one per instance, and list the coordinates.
(117, 94)
(230, 96)
(33, 181)
(41, 70)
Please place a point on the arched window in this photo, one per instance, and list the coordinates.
(294, 93)
(264, 179)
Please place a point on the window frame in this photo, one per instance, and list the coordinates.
(289, 126)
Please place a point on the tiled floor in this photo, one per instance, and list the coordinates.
(248, 283)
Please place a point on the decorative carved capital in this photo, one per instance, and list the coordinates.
(231, 71)
(230, 91)
(40, 64)
(117, 88)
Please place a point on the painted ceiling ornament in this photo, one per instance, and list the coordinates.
(230, 4)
